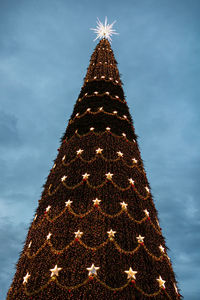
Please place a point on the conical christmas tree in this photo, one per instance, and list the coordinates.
(95, 234)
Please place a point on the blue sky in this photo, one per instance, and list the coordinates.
(45, 47)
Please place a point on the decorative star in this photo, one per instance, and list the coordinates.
(176, 288)
(99, 150)
(55, 271)
(124, 205)
(68, 202)
(63, 178)
(111, 233)
(26, 278)
(131, 273)
(109, 176)
(93, 270)
(140, 239)
(120, 153)
(146, 212)
(29, 245)
(48, 208)
(96, 201)
(134, 160)
(161, 248)
(49, 235)
(85, 176)
(79, 151)
(161, 282)
(147, 189)
(104, 31)
(78, 234)
(131, 181)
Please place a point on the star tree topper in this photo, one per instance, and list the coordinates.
(104, 31)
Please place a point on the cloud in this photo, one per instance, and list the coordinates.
(12, 237)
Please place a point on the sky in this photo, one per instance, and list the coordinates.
(45, 47)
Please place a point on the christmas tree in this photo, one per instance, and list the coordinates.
(96, 234)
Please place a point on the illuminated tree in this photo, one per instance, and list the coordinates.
(95, 234)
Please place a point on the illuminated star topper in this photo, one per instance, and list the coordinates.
(104, 31)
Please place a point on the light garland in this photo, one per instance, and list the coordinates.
(88, 110)
(110, 238)
(96, 203)
(99, 151)
(108, 176)
(76, 134)
(101, 95)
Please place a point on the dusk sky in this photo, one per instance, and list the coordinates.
(45, 48)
